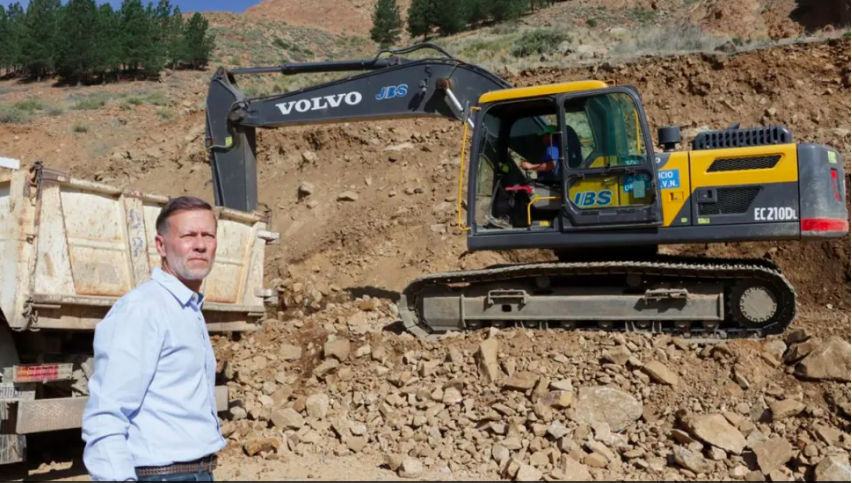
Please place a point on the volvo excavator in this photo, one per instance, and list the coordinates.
(596, 190)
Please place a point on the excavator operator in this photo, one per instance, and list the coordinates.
(548, 167)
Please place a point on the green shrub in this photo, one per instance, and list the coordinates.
(592, 22)
(29, 105)
(55, 111)
(157, 98)
(91, 103)
(165, 114)
(80, 128)
(539, 41)
(13, 115)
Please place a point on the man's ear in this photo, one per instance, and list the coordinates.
(161, 245)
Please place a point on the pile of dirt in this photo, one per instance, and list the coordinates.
(528, 405)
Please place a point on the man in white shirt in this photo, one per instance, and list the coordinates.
(151, 414)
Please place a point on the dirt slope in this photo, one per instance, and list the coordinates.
(745, 19)
(342, 16)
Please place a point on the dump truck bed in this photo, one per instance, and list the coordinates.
(69, 248)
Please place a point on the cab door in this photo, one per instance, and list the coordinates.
(609, 175)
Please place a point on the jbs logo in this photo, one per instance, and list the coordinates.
(319, 103)
(391, 92)
(592, 198)
(774, 213)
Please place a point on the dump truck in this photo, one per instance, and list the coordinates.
(69, 249)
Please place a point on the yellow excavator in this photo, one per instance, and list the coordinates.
(569, 167)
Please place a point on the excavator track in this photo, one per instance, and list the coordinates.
(710, 298)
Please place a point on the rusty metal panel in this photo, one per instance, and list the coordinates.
(95, 229)
(137, 239)
(46, 415)
(53, 262)
(9, 230)
(226, 281)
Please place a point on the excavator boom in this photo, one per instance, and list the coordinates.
(393, 88)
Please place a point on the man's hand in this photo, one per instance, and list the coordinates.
(528, 166)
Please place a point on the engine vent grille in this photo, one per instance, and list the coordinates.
(740, 138)
(741, 164)
(730, 201)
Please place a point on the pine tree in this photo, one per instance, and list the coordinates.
(108, 41)
(41, 37)
(450, 16)
(199, 44)
(176, 47)
(477, 11)
(503, 10)
(420, 15)
(78, 51)
(136, 33)
(387, 24)
(154, 51)
(12, 50)
(5, 40)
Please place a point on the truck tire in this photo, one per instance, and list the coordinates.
(12, 446)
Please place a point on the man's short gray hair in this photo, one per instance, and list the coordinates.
(181, 203)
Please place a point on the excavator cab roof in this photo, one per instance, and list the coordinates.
(538, 91)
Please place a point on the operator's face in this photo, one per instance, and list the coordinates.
(188, 248)
(547, 139)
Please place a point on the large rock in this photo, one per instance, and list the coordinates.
(339, 349)
(411, 468)
(828, 361)
(289, 352)
(619, 355)
(528, 473)
(574, 470)
(347, 196)
(661, 373)
(785, 409)
(487, 356)
(326, 367)
(773, 453)
(317, 406)
(522, 381)
(257, 445)
(716, 430)
(288, 419)
(833, 468)
(607, 405)
(690, 460)
(799, 351)
(306, 189)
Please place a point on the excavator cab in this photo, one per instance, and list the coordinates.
(605, 176)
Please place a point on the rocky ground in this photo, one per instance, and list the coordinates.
(532, 405)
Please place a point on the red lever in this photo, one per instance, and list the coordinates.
(528, 189)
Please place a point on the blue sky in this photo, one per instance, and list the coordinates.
(185, 5)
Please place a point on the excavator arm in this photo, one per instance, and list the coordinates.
(394, 87)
